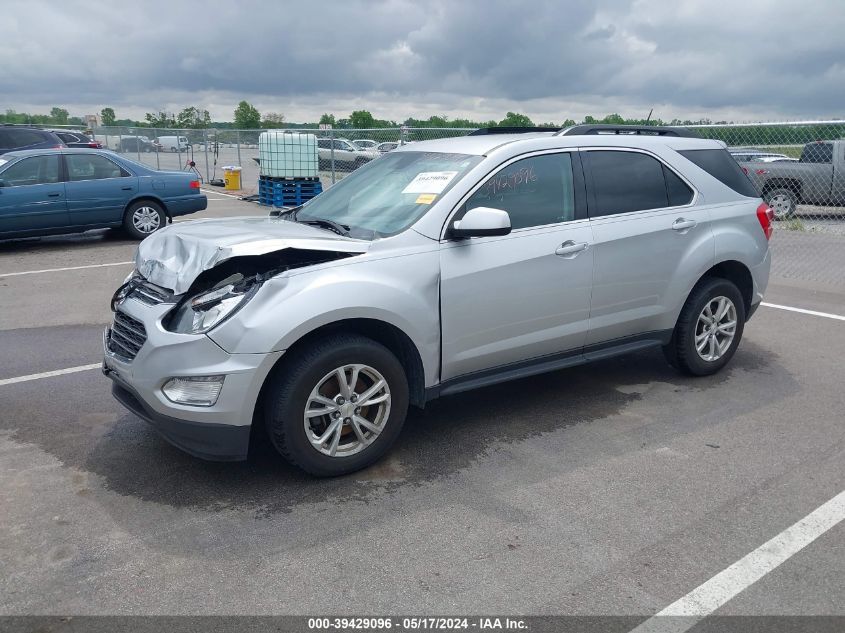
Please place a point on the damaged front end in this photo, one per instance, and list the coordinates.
(211, 270)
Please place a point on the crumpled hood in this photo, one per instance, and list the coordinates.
(174, 256)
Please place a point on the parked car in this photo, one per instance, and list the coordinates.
(818, 178)
(346, 155)
(745, 156)
(44, 192)
(383, 148)
(136, 144)
(364, 144)
(15, 137)
(77, 139)
(172, 143)
(441, 267)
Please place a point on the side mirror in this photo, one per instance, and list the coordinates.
(481, 222)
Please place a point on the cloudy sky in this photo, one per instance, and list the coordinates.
(737, 60)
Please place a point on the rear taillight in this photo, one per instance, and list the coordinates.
(766, 218)
(94, 145)
(761, 172)
(195, 184)
(744, 170)
(59, 146)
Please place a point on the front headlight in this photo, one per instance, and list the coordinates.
(201, 312)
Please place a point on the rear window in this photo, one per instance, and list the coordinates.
(817, 153)
(721, 165)
(17, 138)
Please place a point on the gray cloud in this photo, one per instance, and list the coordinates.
(552, 59)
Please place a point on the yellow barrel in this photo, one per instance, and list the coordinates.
(232, 177)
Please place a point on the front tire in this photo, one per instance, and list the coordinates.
(337, 406)
(782, 202)
(143, 218)
(709, 328)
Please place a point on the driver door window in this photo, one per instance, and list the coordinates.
(534, 191)
(38, 170)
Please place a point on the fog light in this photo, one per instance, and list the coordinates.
(198, 391)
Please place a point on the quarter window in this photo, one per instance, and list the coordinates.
(627, 181)
(534, 191)
(38, 170)
(677, 190)
(91, 167)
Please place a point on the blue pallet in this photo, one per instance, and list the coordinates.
(279, 192)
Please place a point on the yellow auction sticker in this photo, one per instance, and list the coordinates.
(426, 198)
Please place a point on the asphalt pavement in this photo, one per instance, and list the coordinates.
(614, 488)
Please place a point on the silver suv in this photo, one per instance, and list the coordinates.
(440, 267)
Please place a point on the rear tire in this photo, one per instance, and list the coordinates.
(704, 340)
(143, 218)
(308, 383)
(782, 202)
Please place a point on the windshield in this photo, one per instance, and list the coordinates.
(389, 194)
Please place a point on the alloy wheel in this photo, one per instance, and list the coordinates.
(715, 329)
(347, 410)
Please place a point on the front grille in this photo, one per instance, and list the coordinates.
(127, 336)
(151, 294)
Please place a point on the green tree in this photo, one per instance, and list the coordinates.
(273, 120)
(513, 119)
(193, 117)
(160, 119)
(328, 119)
(247, 117)
(59, 116)
(362, 119)
(107, 116)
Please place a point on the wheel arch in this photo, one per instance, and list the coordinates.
(791, 184)
(392, 337)
(150, 198)
(737, 273)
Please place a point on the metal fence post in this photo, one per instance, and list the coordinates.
(179, 150)
(238, 141)
(331, 137)
(138, 145)
(120, 141)
(205, 145)
(156, 149)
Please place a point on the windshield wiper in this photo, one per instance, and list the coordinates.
(331, 225)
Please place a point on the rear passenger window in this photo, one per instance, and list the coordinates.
(534, 191)
(625, 182)
(719, 164)
(678, 191)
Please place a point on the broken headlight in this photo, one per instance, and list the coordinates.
(200, 312)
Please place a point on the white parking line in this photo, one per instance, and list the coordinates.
(826, 315)
(220, 193)
(49, 374)
(683, 614)
(58, 270)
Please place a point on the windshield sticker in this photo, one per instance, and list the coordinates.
(426, 198)
(430, 182)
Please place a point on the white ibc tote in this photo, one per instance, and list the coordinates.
(288, 154)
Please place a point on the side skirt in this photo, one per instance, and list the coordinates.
(545, 364)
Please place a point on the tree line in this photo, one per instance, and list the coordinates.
(247, 117)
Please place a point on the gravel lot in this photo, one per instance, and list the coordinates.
(614, 488)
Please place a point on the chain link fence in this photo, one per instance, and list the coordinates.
(798, 167)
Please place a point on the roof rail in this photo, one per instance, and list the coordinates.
(482, 131)
(644, 130)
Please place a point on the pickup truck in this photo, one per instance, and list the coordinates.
(818, 178)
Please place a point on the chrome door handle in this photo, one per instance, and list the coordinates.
(53, 195)
(682, 224)
(570, 248)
